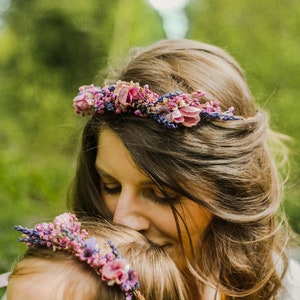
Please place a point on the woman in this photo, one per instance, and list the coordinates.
(193, 176)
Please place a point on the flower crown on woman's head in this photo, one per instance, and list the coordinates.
(65, 233)
(172, 109)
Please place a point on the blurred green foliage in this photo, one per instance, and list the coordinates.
(49, 48)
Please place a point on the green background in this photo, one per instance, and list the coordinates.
(49, 48)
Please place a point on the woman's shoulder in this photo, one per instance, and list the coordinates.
(291, 282)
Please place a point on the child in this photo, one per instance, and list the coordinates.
(67, 259)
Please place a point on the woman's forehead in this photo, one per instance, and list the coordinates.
(114, 160)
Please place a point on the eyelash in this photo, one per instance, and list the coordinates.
(154, 197)
(164, 200)
(111, 191)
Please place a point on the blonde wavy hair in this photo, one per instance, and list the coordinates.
(226, 167)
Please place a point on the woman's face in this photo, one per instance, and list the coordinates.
(135, 201)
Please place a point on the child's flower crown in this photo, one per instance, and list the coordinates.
(172, 109)
(65, 233)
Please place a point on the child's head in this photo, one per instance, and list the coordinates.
(47, 274)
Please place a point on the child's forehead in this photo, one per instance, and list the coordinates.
(49, 278)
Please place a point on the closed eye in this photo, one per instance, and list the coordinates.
(108, 184)
(111, 189)
(167, 200)
(158, 197)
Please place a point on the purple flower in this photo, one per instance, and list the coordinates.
(90, 246)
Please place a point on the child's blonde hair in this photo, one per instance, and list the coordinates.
(72, 279)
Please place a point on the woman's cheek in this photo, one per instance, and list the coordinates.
(110, 202)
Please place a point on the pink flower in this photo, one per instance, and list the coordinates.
(134, 93)
(186, 115)
(176, 116)
(65, 218)
(190, 115)
(87, 88)
(115, 271)
(68, 221)
(82, 103)
(128, 95)
(212, 106)
(123, 96)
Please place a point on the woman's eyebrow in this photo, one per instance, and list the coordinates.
(103, 173)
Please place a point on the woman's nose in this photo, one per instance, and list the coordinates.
(132, 212)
